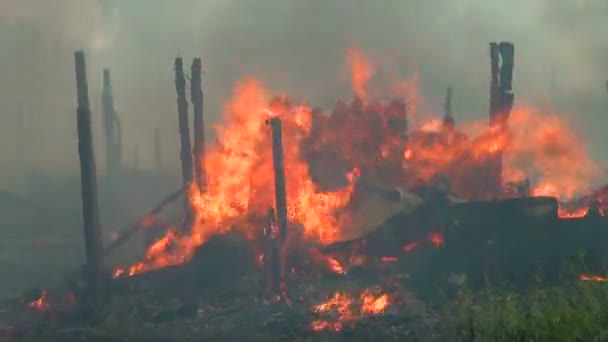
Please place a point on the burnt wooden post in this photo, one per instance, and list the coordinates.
(196, 96)
(91, 222)
(448, 118)
(501, 100)
(280, 193)
(272, 263)
(184, 132)
(157, 153)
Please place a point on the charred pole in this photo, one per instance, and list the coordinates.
(93, 271)
(184, 132)
(272, 262)
(157, 153)
(448, 118)
(280, 193)
(501, 98)
(196, 96)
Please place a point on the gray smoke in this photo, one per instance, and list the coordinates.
(297, 47)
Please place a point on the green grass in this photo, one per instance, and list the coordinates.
(570, 312)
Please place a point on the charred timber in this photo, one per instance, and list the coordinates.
(196, 95)
(184, 132)
(91, 222)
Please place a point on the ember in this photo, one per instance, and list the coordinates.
(596, 278)
(348, 310)
(41, 304)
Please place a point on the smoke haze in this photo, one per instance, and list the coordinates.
(296, 47)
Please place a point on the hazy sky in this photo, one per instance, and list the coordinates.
(297, 46)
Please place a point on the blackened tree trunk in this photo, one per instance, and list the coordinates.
(196, 95)
(91, 222)
(184, 132)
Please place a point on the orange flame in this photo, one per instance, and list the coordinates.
(596, 278)
(537, 144)
(361, 72)
(347, 311)
(40, 304)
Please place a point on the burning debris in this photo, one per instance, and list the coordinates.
(348, 310)
(353, 190)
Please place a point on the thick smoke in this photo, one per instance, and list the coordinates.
(297, 47)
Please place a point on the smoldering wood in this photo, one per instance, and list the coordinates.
(184, 132)
(196, 95)
(90, 212)
(157, 150)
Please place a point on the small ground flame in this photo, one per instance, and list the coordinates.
(595, 278)
(346, 309)
(41, 304)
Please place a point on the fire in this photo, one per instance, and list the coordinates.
(563, 212)
(388, 259)
(333, 264)
(373, 305)
(348, 310)
(363, 138)
(596, 278)
(361, 72)
(40, 304)
(239, 171)
(436, 239)
(410, 246)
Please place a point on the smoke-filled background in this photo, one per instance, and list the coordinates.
(296, 47)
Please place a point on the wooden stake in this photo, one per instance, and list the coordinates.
(184, 132)
(196, 95)
(91, 222)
